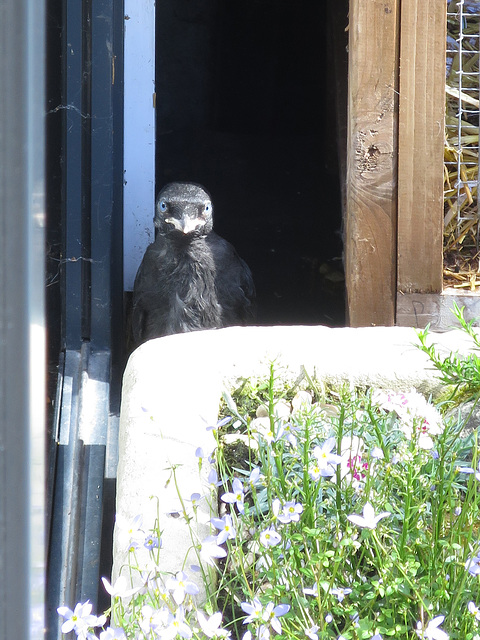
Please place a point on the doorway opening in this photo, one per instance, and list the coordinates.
(248, 104)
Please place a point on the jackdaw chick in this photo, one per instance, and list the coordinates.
(190, 278)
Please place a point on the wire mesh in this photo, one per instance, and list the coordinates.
(462, 219)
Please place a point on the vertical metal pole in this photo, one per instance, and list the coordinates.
(22, 385)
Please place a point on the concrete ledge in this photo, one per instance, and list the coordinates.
(172, 387)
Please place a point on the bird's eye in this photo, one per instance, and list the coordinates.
(163, 205)
(208, 207)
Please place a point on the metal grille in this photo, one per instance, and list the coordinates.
(462, 228)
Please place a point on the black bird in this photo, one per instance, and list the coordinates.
(190, 278)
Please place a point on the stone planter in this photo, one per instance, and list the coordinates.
(171, 392)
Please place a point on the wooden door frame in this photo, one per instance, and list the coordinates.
(394, 208)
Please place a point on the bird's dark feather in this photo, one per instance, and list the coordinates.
(190, 282)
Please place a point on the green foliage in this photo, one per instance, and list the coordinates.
(397, 455)
(461, 373)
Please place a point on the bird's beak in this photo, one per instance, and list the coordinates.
(190, 224)
(186, 224)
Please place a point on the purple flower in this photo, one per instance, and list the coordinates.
(151, 542)
(377, 453)
(131, 533)
(213, 480)
(470, 470)
(315, 472)
(201, 455)
(153, 619)
(472, 565)
(263, 633)
(269, 614)
(220, 423)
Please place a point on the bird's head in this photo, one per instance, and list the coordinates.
(184, 209)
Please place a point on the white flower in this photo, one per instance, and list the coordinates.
(341, 593)
(313, 591)
(226, 528)
(432, 631)
(210, 550)
(271, 614)
(472, 607)
(325, 457)
(302, 401)
(176, 626)
(269, 537)
(369, 520)
(152, 619)
(253, 609)
(211, 626)
(180, 586)
(236, 496)
(290, 512)
(78, 620)
(111, 633)
(255, 479)
(415, 413)
(312, 632)
(120, 588)
(130, 531)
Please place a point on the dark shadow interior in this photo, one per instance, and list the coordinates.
(250, 105)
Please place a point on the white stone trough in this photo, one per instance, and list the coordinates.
(172, 389)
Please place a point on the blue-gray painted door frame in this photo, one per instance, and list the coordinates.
(91, 283)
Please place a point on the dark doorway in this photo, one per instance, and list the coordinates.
(247, 106)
